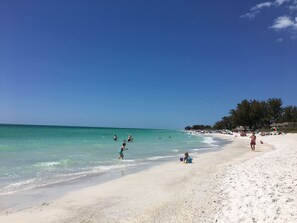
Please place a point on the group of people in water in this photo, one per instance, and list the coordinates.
(185, 159)
(123, 147)
(130, 138)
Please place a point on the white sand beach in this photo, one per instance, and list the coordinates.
(230, 185)
(263, 189)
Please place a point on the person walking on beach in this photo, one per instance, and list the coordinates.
(121, 152)
(253, 141)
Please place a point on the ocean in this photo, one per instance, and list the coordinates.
(34, 157)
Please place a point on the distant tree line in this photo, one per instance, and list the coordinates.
(254, 114)
(198, 127)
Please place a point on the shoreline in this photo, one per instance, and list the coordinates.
(170, 192)
(35, 158)
(48, 193)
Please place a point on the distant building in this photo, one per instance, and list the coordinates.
(242, 128)
(288, 125)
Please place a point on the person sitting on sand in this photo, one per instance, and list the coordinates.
(121, 152)
(187, 158)
(253, 141)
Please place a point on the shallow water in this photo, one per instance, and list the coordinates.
(40, 156)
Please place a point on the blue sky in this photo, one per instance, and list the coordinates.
(138, 63)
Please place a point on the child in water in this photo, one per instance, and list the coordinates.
(121, 152)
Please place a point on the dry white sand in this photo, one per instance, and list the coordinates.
(263, 189)
(230, 185)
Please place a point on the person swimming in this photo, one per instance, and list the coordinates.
(115, 137)
(130, 139)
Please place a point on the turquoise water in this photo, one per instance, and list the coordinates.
(36, 156)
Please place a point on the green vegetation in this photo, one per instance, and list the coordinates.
(256, 114)
(198, 127)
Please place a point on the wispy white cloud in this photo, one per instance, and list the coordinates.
(257, 8)
(293, 6)
(250, 15)
(280, 40)
(279, 2)
(287, 22)
(262, 5)
(283, 22)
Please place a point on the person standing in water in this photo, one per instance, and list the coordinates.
(121, 152)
